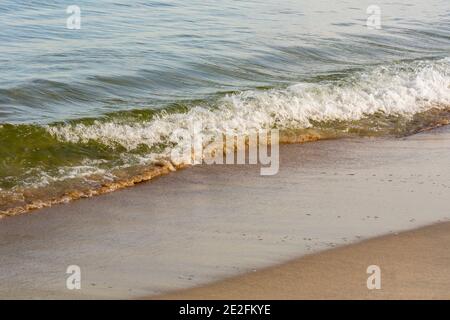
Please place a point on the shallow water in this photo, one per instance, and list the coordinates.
(80, 108)
(210, 222)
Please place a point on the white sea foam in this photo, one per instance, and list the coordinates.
(404, 88)
(37, 177)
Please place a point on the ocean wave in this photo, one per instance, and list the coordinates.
(45, 164)
(404, 88)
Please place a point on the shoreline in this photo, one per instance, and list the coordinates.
(208, 223)
(146, 174)
(413, 265)
(166, 166)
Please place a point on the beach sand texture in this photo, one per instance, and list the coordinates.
(207, 223)
(413, 265)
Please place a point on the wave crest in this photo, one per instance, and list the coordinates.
(404, 89)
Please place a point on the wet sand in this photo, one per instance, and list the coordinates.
(413, 265)
(207, 223)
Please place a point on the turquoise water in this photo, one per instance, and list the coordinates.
(77, 105)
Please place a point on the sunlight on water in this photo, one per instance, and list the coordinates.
(83, 108)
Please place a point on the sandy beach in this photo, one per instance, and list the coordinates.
(209, 223)
(224, 150)
(414, 265)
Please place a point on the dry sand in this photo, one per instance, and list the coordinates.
(413, 265)
(208, 223)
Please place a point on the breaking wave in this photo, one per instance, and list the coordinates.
(44, 164)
